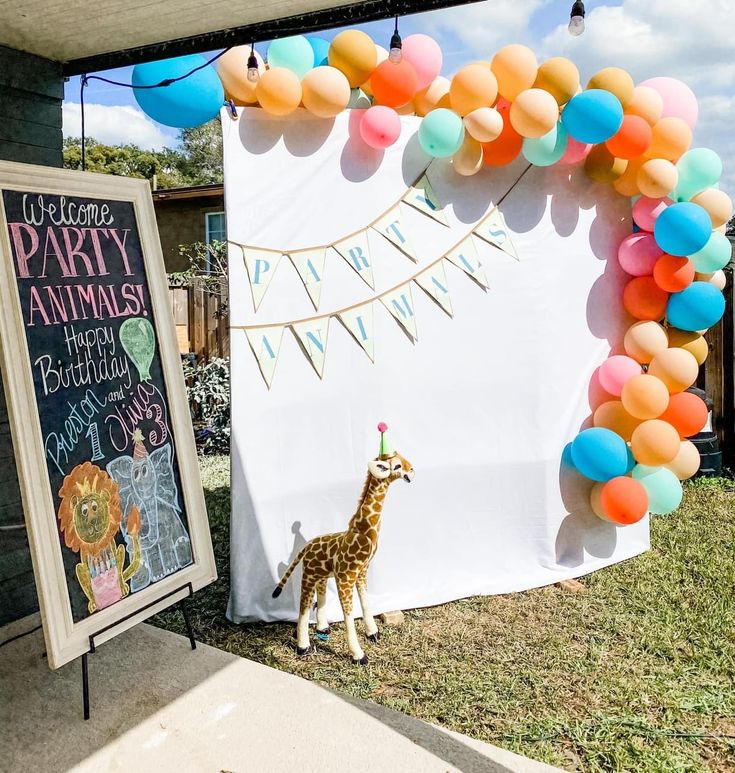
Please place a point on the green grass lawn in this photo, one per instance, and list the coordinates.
(635, 673)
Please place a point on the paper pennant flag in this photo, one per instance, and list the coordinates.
(266, 344)
(494, 230)
(399, 303)
(465, 256)
(312, 336)
(310, 266)
(359, 323)
(421, 196)
(391, 226)
(261, 265)
(433, 281)
(356, 251)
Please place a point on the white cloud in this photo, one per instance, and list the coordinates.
(115, 125)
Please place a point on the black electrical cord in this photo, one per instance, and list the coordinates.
(20, 635)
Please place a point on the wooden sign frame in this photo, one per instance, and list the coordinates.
(66, 639)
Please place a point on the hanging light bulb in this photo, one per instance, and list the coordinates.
(253, 71)
(576, 19)
(396, 54)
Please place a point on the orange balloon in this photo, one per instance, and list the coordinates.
(612, 415)
(632, 138)
(692, 342)
(717, 203)
(627, 183)
(468, 159)
(394, 83)
(657, 178)
(279, 91)
(602, 166)
(687, 413)
(534, 113)
(326, 91)
(621, 500)
(673, 274)
(354, 53)
(506, 147)
(232, 68)
(515, 68)
(671, 139)
(677, 368)
(560, 77)
(435, 95)
(644, 299)
(647, 103)
(655, 443)
(643, 340)
(644, 397)
(474, 86)
(615, 80)
(686, 463)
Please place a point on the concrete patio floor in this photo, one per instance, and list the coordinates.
(159, 706)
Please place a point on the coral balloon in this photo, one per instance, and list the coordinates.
(436, 95)
(506, 147)
(656, 178)
(717, 203)
(382, 55)
(615, 80)
(602, 166)
(612, 415)
(655, 443)
(644, 299)
(677, 98)
(670, 139)
(468, 159)
(484, 124)
(646, 103)
(278, 91)
(687, 413)
(615, 371)
(380, 127)
(424, 54)
(632, 138)
(295, 53)
(638, 254)
(645, 397)
(673, 274)
(621, 500)
(515, 68)
(686, 463)
(676, 368)
(693, 342)
(232, 68)
(646, 211)
(644, 340)
(534, 113)
(354, 53)
(474, 86)
(394, 83)
(662, 486)
(326, 91)
(560, 77)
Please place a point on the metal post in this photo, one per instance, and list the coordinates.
(85, 685)
(189, 629)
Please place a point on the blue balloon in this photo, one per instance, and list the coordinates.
(320, 47)
(593, 116)
(682, 229)
(546, 150)
(600, 454)
(184, 104)
(698, 307)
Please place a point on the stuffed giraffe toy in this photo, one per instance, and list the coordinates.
(346, 556)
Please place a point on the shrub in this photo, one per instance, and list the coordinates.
(208, 390)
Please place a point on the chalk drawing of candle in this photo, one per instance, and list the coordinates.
(139, 342)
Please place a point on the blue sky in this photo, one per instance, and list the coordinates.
(681, 38)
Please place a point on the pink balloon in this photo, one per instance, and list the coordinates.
(615, 371)
(679, 99)
(425, 55)
(646, 211)
(638, 254)
(380, 127)
(576, 151)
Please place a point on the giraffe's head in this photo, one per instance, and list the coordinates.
(391, 468)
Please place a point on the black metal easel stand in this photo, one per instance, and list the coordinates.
(93, 648)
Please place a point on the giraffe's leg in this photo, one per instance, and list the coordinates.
(345, 588)
(303, 645)
(371, 629)
(322, 624)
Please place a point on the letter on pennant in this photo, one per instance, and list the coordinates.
(310, 267)
(261, 265)
(465, 256)
(356, 251)
(391, 226)
(312, 337)
(421, 196)
(359, 323)
(266, 344)
(399, 303)
(494, 230)
(433, 282)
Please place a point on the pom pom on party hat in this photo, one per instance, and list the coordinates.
(386, 449)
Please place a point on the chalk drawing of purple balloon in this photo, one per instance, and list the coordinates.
(139, 341)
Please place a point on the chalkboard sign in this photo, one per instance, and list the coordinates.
(101, 428)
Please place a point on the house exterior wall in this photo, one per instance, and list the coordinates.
(182, 221)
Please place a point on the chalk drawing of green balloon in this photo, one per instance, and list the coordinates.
(139, 341)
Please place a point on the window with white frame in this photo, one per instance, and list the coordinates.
(215, 227)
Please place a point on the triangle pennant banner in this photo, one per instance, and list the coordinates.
(391, 226)
(465, 256)
(494, 230)
(261, 265)
(356, 251)
(310, 266)
(399, 303)
(421, 196)
(359, 323)
(312, 337)
(433, 282)
(266, 344)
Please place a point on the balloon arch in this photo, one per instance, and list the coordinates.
(635, 137)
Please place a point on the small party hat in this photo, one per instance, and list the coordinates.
(139, 449)
(386, 449)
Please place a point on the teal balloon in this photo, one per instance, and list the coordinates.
(662, 486)
(546, 150)
(320, 47)
(716, 254)
(697, 307)
(184, 104)
(593, 116)
(359, 100)
(698, 169)
(599, 454)
(441, 133)
(682, 229)
(295, 54)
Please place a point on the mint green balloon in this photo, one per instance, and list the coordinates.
(698, 169)
(295, 54)
(359, 100)
(139, 341)
(662, 486)
(441, 133)
(716, 254)
(546, 150)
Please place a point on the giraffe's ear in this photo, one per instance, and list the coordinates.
(379, 469)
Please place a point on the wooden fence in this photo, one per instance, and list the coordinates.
(200, 327)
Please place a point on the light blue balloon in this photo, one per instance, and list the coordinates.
(320, 47)
(697, 307)
(682, 229)
(716, 254)
(546, 150)
(184, 104)
(359, 100)
(662, 486)
(600, 454)
(294, 53)
(441, 133)
(593, 116)
(698, 169)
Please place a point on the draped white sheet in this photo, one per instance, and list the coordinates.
(482, 405)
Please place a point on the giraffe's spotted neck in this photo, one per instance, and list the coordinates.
(370, 508)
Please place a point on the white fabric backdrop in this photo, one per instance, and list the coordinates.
(482, 405)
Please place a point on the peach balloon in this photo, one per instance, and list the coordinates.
(472, 87)
(232, 68)
(626, 184)
(645, 397)
(615, 80)
(279, 91)
(676, 368)
(595, 500)
(644, 340)
(602, 166)
(484, 124)
(354, 53)
(693, 343)
(656, 178)
(686, 463)
(612, 415)
(436, 95)
(647, 103)
(560, 77)
(655, 443)
(515, 68)
(717, 203)
(717, 278)
(382, 56)
(644, 299)
(671, 138)
(468, 159)
(326, 91)
(534, 113)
